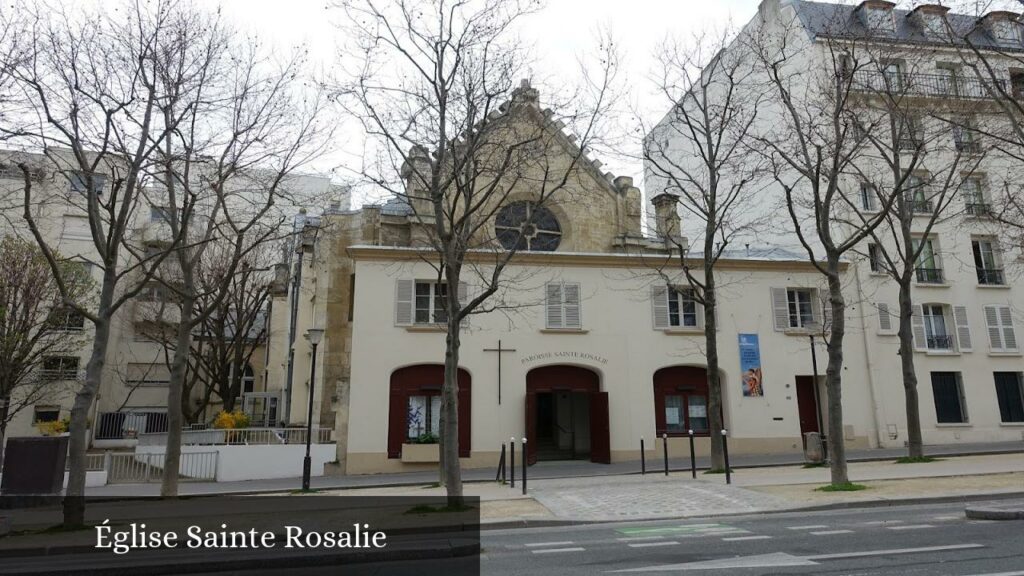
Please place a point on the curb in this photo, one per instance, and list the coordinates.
(452, 549)
(995, 513)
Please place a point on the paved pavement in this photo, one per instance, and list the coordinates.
(541, 470)
(932, 540)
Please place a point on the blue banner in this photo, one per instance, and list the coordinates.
(750, 365)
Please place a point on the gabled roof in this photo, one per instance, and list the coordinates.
(829, 20)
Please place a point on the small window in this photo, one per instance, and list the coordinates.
(682, 308)
(879, 20)
(974, 197)
(562, 306)
(933, 24)
(868, 197)
(80, 183)
(1006, 31)
(910, 133)
(893, 74)
(801, 307)
(935, 327)
(424, 416)
(430, 306)
(965, 137)
(929, 268)
(1017, 83)
(987, 262)
(950, 406)
(43, 414)
(875, 258)
(1001, 334)
(67, 320)
(60, 368)
(1010, 394)
(159, 214)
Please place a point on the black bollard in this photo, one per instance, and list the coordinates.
(501, 466)
(512, 461)
(643, 458)
(693, 458)
(524, 465)
(725, 453)
(664, 446)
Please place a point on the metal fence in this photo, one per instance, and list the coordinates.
(932, 85)
(93, 462)
(129, 424)
(241, 436)
(129, 467)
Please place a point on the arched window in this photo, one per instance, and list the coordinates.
(535, 227)
(415, 404)
(248, 379)
(681, 401)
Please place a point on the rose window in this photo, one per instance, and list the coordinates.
(526, 226)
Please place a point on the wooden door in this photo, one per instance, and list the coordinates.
(807, 405)
(531, 428)
(600, 429)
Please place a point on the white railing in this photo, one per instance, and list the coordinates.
(93, 462)
(241, 436)
(129, 467)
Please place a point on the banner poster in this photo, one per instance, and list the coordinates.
(750, 365)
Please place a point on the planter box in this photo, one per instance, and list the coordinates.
(421, 453)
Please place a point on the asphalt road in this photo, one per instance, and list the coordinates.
(908, 540)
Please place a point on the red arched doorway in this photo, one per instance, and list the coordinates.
(681, 401)
(414, 408)
(566, 415)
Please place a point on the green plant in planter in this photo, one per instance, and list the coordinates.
(425, 438)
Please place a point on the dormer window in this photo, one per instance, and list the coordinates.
(877, 16)
(1003, 26)
(931, 19)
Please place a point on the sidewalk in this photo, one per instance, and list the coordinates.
(541, 470)
(635, 497)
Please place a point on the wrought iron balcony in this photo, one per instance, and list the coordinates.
(978, 209)
(968, 147)
(930, 85)
(929, 275)
(943, 342)
(918, 206)
(991, 276)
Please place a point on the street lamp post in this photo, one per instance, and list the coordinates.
(314, 335)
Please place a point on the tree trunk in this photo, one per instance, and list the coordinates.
(915, 446)
(713, 376)
(451, 467)
(3, 433)
(834, 375)
(78, 442)
(172, 456)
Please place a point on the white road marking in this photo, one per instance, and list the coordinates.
(555, 550)
(811, 527)
(653, 544)
(911, 527)
(1019, 573)
(831, 532)
(639, 538)
(741, 538)
(843, 555)
(882, 522)
(535, 544)
(946, 518)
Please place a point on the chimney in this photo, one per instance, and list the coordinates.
(416, 172)
(666, 216)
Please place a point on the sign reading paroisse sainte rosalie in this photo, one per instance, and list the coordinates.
(750, 365)
(565, 355)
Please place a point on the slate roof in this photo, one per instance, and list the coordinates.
(842, 21)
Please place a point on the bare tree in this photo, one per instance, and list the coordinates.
(84, 95)
(34, 326)
(700, 154)
(812, 145)
(446, 115)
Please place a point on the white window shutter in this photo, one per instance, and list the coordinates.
(995, 332)
(780, 309)
(884, 318)
(571, 306)
(659, 306)
(917, 325)
(403, 302)
(963, 329)
(1009, 336)
(553, 305)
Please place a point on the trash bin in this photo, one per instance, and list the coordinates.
(814, 452)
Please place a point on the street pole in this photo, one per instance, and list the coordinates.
(313, 335)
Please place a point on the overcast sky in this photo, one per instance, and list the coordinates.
(559, 33)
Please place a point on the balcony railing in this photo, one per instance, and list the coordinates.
(968, 147)
(929, 275)
(931, 85)
(943, 342)
(918, 206)
(991, 276)
(978, 209)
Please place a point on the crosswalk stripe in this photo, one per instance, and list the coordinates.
(830, 532)
(534, 544)
(652, 544)
(741, 538)
(556, 550)
(911, 527)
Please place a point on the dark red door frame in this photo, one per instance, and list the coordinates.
(421, 379)
(565, 378)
